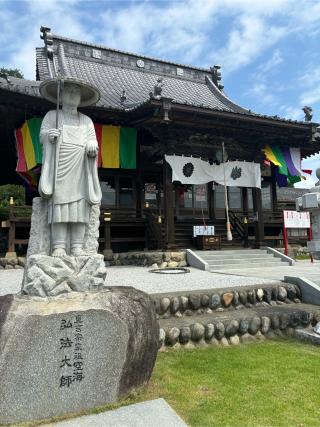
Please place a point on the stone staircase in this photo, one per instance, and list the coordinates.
(230, 316)
(228, 260)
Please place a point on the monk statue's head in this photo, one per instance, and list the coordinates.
(71, 95)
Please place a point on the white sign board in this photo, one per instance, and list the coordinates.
(203, 230)
(293, 219)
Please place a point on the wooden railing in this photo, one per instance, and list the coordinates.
(19, 217)
(236, 221)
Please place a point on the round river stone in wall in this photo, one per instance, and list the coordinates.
(243, 326)
(254, 325)
(227, 298)
(185, 334)
(195, 301)
(232, 328)
(73, 352)
(215, 301)
(219, 330)
(282, 293)
(197, 331)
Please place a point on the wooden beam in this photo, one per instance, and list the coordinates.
(168, 206)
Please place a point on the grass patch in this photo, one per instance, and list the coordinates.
(302, 257)
(265, 384)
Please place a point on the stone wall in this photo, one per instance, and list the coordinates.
(235, 331)
(12, 263)
(225, 300)
(155, 259)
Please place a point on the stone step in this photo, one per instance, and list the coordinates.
(247, 264)
(236, 259)
(232, 251)
(209, 257)
(241, 261)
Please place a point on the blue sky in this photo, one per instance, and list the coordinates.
(269, 50)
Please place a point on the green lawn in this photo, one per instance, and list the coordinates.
(265, 384)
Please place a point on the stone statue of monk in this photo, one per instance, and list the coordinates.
(69, 177)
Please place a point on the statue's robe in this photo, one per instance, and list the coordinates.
(76, 179)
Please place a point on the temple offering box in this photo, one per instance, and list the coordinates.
(205, 238)
(208, 242)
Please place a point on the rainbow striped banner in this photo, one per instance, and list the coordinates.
(288, 162)
(28, 145)
(117, 146)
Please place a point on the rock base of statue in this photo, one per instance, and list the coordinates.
(51, 276)
(73, 352)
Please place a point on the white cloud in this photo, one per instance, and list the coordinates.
(248, 41)
(21, 32)
(275, 60)
(292, 113)
(183, 31)
(262, 92)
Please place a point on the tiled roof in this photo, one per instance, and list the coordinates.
(15, 84)
(113, 71)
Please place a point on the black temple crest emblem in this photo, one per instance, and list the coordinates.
(236, 173)
(188, 169)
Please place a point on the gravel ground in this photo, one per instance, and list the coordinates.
(140, 278)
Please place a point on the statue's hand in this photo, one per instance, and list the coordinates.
(53, 135)
(92, 149)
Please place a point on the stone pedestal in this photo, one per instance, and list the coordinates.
(51, 276)
(73, 352)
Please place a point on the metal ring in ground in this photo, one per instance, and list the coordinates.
(170, 270)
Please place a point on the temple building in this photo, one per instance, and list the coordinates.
(150, 108)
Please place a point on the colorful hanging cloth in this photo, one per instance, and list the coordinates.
(288, 162)
(282, 180)
(117, 146)
(28, 145)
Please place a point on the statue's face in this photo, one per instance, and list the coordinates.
(71, 95)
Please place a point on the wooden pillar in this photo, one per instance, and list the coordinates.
(211, 201)
(107, 236)
(168, 206)
(258, 217)
(245, 205)
(274, 189)
(12, 237)
(139, 186)
(245, 209)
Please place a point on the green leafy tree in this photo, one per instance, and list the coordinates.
(14, 72)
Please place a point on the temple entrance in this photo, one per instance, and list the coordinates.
(191, 201)
(118, 192)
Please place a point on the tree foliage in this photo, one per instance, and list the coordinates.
(14, 72)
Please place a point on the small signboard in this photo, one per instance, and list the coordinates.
(203, 230)
(294, 219)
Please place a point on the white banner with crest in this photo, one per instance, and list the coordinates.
(190, 170)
